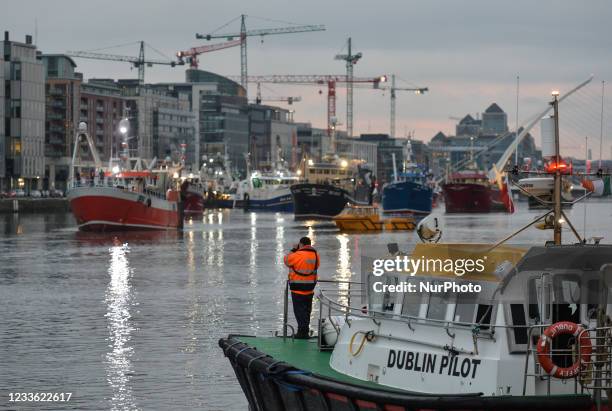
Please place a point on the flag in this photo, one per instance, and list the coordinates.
(502, 182)
(600, 187)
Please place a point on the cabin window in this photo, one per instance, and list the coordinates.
(381, 301)
(594, 291)
(517, 312)
(566, 302)
(484, 313)
(438, 303)
(411, 305)
(464, 309)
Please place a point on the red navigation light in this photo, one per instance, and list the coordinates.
(560, 166)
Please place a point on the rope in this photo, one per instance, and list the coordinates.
(367, 336)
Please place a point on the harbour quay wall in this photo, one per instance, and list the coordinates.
(34, 205)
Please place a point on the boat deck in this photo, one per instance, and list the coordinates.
(305, 355)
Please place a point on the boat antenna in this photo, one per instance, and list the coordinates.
(557, 176)
(601, 121)
(517, 120)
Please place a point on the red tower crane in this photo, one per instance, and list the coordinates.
(192, 54)
(318, 80)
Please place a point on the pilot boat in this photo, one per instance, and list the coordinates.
(516, 328)
(364, 219)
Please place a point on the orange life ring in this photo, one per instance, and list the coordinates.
(563, 328)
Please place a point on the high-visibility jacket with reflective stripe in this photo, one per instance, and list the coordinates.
(303, 265)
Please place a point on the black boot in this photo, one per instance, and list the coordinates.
(302, 334)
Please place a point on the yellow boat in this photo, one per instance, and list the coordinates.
(367, 219)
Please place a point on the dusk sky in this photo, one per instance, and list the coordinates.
(468, 53)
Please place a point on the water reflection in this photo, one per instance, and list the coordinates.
(118, 299)
(343, 272)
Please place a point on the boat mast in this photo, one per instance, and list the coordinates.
(394, 167)
(557, 177)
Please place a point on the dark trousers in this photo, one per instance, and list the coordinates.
(302, 307)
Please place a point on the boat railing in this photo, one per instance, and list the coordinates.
(110, 183)
(594, 376)
(342, 290)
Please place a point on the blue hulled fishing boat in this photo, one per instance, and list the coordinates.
(409, 192)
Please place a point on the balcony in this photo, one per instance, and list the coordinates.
(57, 129)
(56, 141)
(58, 104)
(100, 109)
(55, 116)
(56, 92)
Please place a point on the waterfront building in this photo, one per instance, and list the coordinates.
(220, 119)
(24, 115)
(494, 120)
(62, 91)
(101, 107)
(472, 137)
(273, 137)
(387, 146)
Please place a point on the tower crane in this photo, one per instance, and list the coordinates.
(393, 89)
(318, 80)
(193, 53)
(138, 62)
(288, 100)
(350, 59)
(243, 34)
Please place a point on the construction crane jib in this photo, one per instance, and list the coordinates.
(192, 54)
(244, 33)
(138, 62)
(319, 80)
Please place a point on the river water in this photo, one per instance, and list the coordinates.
(132, 321)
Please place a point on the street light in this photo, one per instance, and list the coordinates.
(124, 126)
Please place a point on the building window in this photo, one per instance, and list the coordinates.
(16, 74)
(16, 108)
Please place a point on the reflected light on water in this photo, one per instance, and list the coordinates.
(190, 253)
(280, 242)
(343, 273)
(118, 300)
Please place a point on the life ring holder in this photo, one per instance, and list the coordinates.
(544, 346)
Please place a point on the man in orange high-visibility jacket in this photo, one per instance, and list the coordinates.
(303, 262)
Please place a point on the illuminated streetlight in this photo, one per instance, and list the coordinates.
(344, 163)
(124, 126)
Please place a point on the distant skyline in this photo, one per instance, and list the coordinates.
(468, 53)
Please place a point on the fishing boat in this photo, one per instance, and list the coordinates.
(193, 194)
(468, 191)
(542, 188)
(327, 187)
(525, 328)
(124, 196)
(364, 219)
(410, 191)
(267, 191)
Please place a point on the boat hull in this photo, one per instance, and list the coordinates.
(407, 197)
(318, 201)
(271, 384)
(467, 198)
(193, 204)
(282, 203)
(115, 209)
